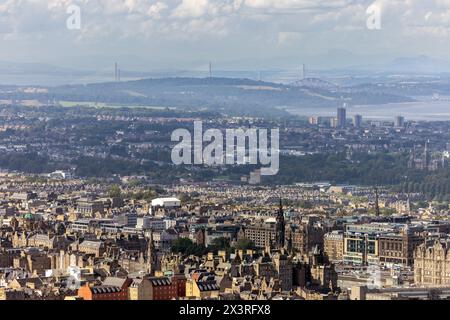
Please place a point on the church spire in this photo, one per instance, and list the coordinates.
(289, 243)
(280, 227)
(151, 255)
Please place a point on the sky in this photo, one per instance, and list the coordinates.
(240, 34)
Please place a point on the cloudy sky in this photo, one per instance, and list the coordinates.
(161, 34)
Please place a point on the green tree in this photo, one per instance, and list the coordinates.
(185, 246)
(245, 244)
(221, 243)
(115, 191)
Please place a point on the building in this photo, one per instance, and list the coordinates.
(357, 121)
(341, 117)
(262, 233)
(7, 294)
(128, 219)
(361, 247)
(96, 248)
(202, 285)
(432, 264)
(112, 288)
(102, 293)
(166, 203)
(398, 248)
(268, 233)
(313, 121)
(160, 205)
(399, 122)
(334, 245)
(334, 123)
(89, 206)
(283, 267)
(323, 274)
(255, 177)
(305, 236)
(60, 175)
(386, 243)
(164, 288)
(139, 289)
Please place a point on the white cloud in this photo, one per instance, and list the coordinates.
(320, 23)
(156, 9)
(191, 9)
(288, 38)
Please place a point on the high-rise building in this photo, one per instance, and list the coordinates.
(334, 122)
(313, 120)
(399, 122)
(357, 121)
(341, 117)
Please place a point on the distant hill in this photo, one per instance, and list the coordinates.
(420, 64)
(408, 65)
(315, 83)
(229, 96)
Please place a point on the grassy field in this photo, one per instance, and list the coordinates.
(69, 104)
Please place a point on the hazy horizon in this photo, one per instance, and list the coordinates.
(233, 34)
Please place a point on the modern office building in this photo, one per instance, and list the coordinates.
(341, 117)
(399, 122)
(357, 121)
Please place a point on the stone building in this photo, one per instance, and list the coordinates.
(89, 206)
(283, 267)
(432, 264)
(96, 248)
(39, 240)
(305, 235)
(262, 234)
(33, 260)
(398, 248)
(334, 245)
(268, 233)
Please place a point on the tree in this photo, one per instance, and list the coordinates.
(115, 191)
(245, 244)
(221, 243)
(185, 246)
(185, 198)
(181, 245)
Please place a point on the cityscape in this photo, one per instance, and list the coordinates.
(218, 233)
(223, 151)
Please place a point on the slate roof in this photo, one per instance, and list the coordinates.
(114, 281)
(160, 281)
(208, 286)
(105, 289)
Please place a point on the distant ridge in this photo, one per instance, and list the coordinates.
(315, 83)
